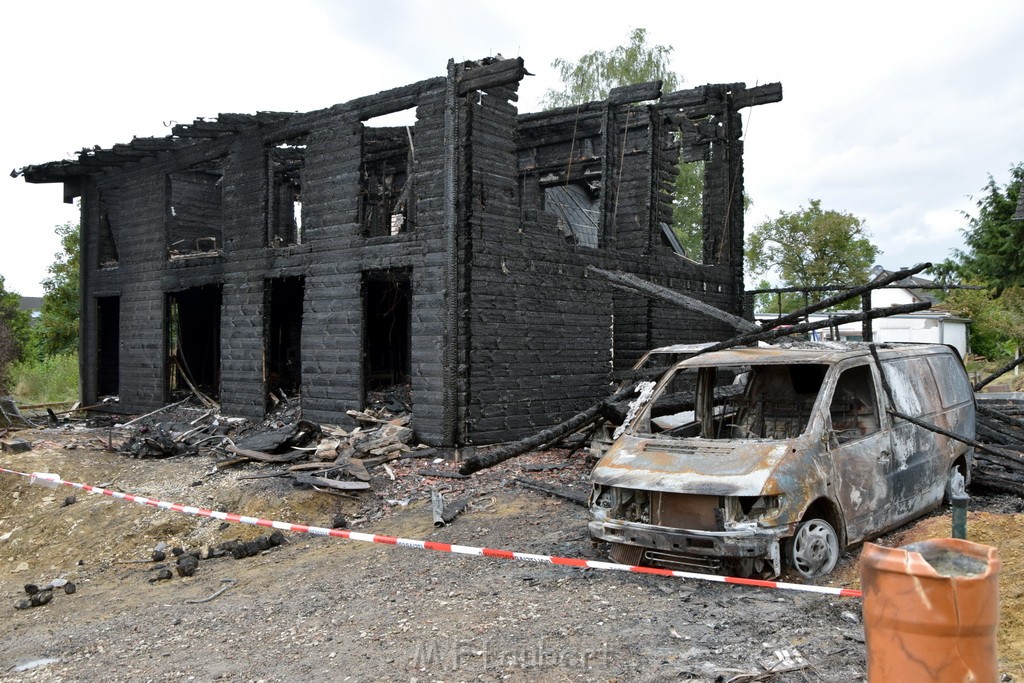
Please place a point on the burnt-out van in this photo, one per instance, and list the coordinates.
(781, 454)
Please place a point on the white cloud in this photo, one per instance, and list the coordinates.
(893, 111)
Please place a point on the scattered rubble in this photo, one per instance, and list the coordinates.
(42, 595)
(15, 446)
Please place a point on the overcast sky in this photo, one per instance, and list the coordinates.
(892, 111)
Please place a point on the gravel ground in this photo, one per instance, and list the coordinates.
(326, 609)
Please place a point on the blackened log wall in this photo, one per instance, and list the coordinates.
(333, 257)
(509, 331)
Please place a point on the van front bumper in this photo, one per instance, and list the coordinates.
(747, 543)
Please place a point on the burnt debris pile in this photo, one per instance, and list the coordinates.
(325, 457)
(999, 453)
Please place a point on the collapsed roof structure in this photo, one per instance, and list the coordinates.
(320, 254)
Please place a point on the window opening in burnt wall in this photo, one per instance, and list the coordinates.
(195, 209)
(285, 160)
(386, 200)
(686, 149)
(578, 208)
(387, 338)
(284, 297)
(108, 346)
(561, 174)
(193, 341)
(108, 223)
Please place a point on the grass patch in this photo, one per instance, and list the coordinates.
(53, 379)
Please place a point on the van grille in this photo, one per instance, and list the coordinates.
(686, 511)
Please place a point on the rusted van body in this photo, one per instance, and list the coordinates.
(788, 454)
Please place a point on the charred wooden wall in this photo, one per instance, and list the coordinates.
(542, 333)
(333, 257)
(508, 331)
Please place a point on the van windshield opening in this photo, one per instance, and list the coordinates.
(766, 402)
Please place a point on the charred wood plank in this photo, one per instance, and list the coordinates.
(497, 74)
(628, 94)
(847, 294)
(564, 492)
(760, 94)
(322, 482)
(561, 115)
(454, 509)
(998, 480)
(1007, 458)
(686, 98)
(998, 373)
(442, 473)
(265, 457)
(991, 433)
(156, 144)
(1000, 416)
(510, 450)
(775, 333)
(630, 281)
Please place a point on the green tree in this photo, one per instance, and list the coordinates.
(57, 328)
(811, 247)
(993, 258)
(997, 322)
(14, 331)
(595, 74)
(994, 252)
(599, 71)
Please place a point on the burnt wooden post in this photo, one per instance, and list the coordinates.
(865, 305)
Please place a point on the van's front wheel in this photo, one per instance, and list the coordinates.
(814, 549)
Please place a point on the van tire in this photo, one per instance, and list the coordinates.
(813, 551)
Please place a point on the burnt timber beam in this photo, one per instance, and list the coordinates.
(628, 94)
(156, 144)
(775, 333)
(844, 295)
(53, 172)
(630, 281)
(554, 117)
(760, 94)
(474, 77)
(1001, 371)
(550, 435)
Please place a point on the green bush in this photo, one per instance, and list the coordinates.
(51, 380)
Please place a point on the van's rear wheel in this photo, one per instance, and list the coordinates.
(814, 549)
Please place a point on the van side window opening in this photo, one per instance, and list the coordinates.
(778, 401)
(854, 409)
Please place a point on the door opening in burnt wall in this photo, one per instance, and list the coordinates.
(387, 338)
(284, 337)
(193, 341)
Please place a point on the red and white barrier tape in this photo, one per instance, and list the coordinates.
(53, 480)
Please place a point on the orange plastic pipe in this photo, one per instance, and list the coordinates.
(930, 611)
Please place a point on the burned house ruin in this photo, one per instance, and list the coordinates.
(324, 255)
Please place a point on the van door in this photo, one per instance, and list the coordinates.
(860, 452)
(916, 462)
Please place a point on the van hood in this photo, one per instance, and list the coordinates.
(735, 467)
